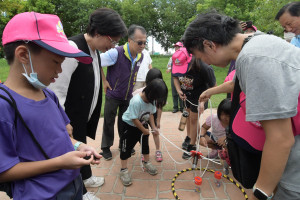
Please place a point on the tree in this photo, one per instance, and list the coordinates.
(173, 16)
(141, 12)
(8, 9)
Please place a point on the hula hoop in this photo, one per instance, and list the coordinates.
(209, 170)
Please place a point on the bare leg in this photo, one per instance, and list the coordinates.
(124, 163)
(157, 142)
(193, 127)
(146, 157)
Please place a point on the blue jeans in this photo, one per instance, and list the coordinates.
(73, 191)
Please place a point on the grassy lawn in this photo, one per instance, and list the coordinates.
(159, 62)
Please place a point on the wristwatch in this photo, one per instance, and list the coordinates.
(261, 195)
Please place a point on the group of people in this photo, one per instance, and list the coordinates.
(43, 132)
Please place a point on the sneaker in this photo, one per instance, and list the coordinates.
(132, 152)
(90, 196)
(94, 181)
(189, 148)
(125, 178)
(175, 111)
(186, 142)
(213, 154)
(151, 169)
(106, 153)
(158, 156)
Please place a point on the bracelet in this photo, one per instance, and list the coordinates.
(76, 145)
(202, 136)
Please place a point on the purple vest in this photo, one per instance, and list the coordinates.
(121, 77)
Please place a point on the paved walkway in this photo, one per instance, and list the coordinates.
(148, 187)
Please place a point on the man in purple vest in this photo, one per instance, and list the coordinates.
(123, 63)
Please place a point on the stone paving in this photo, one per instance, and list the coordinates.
(148, 187)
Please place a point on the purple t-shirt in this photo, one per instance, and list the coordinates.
(48, 123)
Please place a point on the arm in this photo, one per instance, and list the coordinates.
(23, 170)
(104, 81)
(150, 66)
(139, 125)
(159, 113)
(278, 144)
(70, 130)
(169, 66)
(177, 86)
(204, 129)
(152, 124)
(226, 87)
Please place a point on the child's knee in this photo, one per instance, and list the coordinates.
(124, 155)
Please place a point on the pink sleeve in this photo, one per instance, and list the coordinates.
(208, 121)
(230, 76)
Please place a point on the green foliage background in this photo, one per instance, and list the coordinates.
(159, 62)
(166, 20)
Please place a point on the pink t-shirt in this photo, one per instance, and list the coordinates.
(217, 129)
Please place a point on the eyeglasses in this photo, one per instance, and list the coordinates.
(112, 41)
(140, 43)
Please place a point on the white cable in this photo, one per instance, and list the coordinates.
(141, 142)
(180, 163)
(173, 143)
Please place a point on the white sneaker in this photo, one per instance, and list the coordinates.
(94, 181)
(90, 196)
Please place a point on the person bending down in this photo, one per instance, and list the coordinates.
(135, 119)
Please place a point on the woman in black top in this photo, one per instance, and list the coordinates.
(197, 79)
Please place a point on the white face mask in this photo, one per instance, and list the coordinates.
(33, 79)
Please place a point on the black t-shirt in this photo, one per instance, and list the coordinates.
(195, 81)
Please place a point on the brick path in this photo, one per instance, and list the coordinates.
(146, 186)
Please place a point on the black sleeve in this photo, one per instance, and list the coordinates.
(208, 74)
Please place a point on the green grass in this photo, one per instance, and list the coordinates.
(4, 68)
(159, 62)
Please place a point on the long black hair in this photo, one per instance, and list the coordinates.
(157, 92)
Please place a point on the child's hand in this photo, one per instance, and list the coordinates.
(90, 151)
(155, 131)
(146, 132)
(201, 107)
(221, 141)
(73, 160)
(181, 95)
(203, 141)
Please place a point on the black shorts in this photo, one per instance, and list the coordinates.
(194, 101)
(129, 137)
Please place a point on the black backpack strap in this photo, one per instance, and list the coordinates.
(12, 102)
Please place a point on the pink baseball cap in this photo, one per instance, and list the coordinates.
(179, 44)
(180, 62)
(45, 30)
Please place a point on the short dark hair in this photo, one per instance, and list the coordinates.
(10, 48)
(133, 27)
(210, 26)
(157, 92)
(224, 107)
(153, 74)
(293, 9)
(106, 21)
